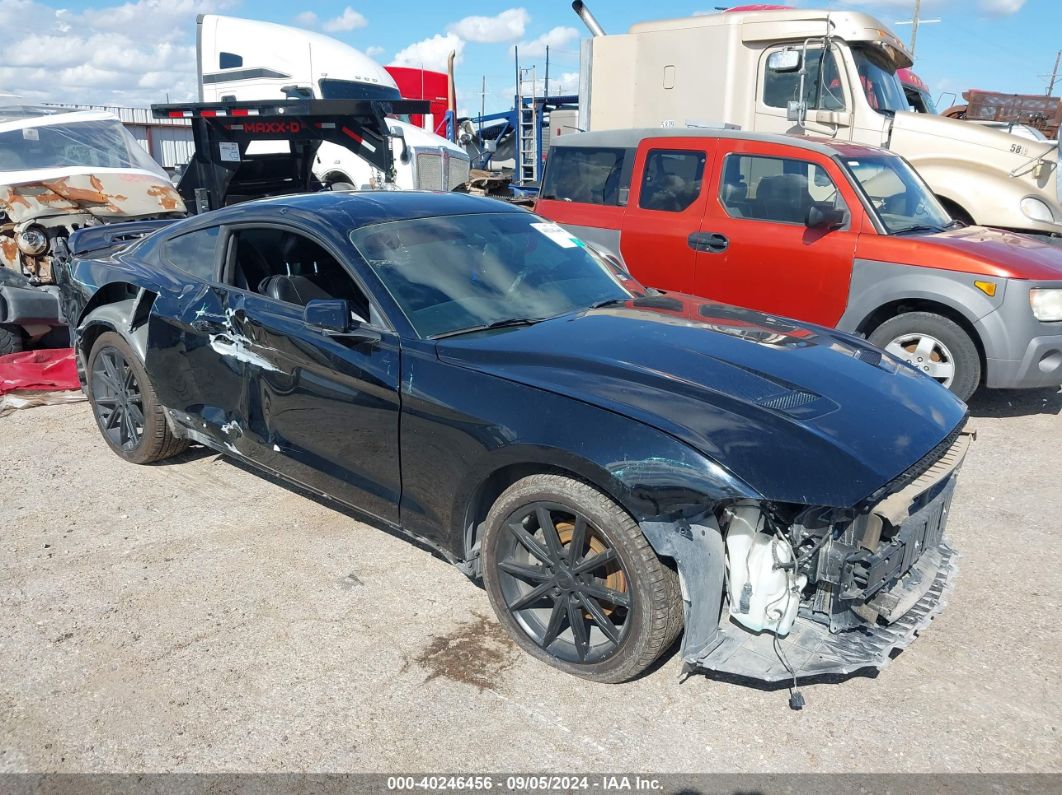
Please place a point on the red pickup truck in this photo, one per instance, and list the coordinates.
(822, 231)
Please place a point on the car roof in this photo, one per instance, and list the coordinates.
(629, 139)
(355, 209)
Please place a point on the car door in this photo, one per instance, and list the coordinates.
(828, 102)
(759, 252)
(318, 406)
(665, 209)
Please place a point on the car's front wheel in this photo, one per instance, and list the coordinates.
(575, 582)
(935, 345)
(125, 405)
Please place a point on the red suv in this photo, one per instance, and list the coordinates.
(820, 230)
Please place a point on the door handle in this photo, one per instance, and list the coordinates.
(708, 242)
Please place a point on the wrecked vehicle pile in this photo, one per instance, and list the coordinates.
(61, 171)
(616, 462)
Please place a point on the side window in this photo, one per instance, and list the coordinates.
(589, 175)
(228, 60)
(775, 189)
(292, 268)
(194, 253)
(822, 85)
(672, 180)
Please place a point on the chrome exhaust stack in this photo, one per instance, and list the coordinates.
(588, 19)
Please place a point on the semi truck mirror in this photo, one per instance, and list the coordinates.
(796, 110)
(784, 61)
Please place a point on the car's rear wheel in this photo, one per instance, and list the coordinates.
(935, 345)
(575, 582)
(124, 402)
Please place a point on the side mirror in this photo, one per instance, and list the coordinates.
(399, 134)
(796, 110)
(784, 61)
(332, 316)
(825, 217)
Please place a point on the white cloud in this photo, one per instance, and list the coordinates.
(559, 38)
(133, 53)
(431, 53)
(375, 52)
(348, 20)
(1001, 8)
(307, 19)
(509, 25)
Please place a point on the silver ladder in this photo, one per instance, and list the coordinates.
(527, 128)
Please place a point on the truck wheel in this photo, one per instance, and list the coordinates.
(125, 405)
(573, 580)
(10, 340)
(935, 345)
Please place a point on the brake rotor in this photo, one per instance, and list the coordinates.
(615, 579)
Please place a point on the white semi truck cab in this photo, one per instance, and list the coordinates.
(243, 59)
(819, 73)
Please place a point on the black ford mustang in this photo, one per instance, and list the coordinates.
(616, 462)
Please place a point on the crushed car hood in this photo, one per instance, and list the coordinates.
(800, 413)
(105, 193)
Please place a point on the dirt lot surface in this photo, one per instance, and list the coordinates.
(196, 617)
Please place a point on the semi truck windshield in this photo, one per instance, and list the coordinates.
(880, 84)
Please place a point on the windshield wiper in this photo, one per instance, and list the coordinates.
(608, 302)
(918, 228)
(508, 322)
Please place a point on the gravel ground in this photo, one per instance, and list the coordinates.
(196, 617)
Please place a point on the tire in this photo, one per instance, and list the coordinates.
(11, 340)
(125, 405)
(644, 627)
(903, 334)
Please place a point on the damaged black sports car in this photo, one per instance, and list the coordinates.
(617, 463)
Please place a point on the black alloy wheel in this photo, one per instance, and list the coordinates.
(117, 400)
(563, 583)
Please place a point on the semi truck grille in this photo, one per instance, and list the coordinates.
(430, 171)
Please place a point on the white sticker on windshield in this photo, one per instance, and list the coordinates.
(31, 134)
(559, 235)
(229, 152)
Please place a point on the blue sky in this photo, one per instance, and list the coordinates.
(137, 52)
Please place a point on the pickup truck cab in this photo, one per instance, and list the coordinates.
(834, 233)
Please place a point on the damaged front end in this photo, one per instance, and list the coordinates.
(775, 591)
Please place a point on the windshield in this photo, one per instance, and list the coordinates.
(880, 83)
(463, 272)
(920, 101)
(86, 144)
(901, 200)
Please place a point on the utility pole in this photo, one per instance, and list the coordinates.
(1054, 74)
(914, 24)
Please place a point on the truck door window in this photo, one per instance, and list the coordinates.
(672, 180)
(775, 188)
(779, 88)
(588, 175)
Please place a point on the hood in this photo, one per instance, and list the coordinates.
(104, 193)
(957, 130)
(800, 413)
(1019, 256)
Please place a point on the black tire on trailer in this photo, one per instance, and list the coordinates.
(11, 339)
(936, 345)
(575, 582)
(125, 405)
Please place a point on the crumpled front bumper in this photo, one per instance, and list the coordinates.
(812, 650)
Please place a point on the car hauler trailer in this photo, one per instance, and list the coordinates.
(819, 73)
(249, 60)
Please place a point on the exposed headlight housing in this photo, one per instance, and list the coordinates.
(1036, 210)
(1046, 303)
(33, 241)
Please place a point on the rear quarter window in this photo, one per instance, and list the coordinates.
(194, 253)
(589, 175)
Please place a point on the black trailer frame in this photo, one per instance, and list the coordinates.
(221, 172)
